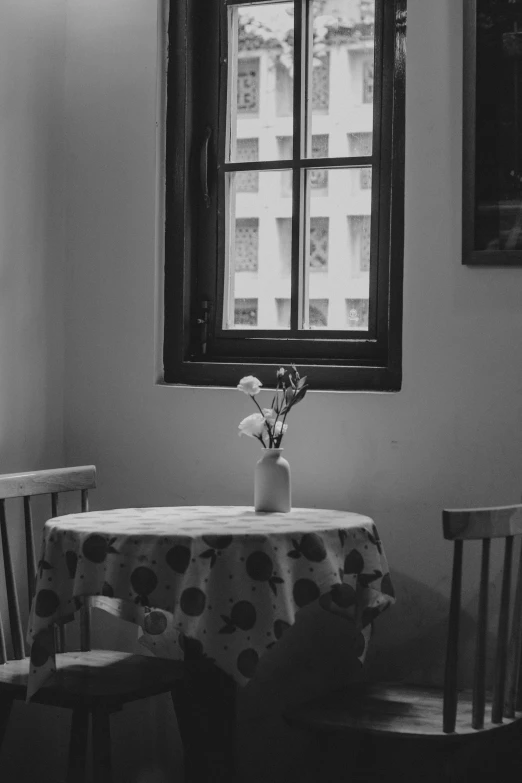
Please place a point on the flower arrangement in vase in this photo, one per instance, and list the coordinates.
(272, 488)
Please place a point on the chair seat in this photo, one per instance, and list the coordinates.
(95, 677)
(389, 709)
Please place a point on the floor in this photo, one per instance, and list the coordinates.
(378, 761)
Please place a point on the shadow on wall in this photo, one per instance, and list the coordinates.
(409, 640)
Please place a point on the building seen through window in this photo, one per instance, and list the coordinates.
(337, 228)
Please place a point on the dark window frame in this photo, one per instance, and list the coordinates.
(196, 351)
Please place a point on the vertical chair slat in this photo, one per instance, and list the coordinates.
(29, 550)
(514, 648)
(85, 611)
(502, 637)
(479, 680)
(452, 649)
(3, 649)
(518, 699)
(10, 584)
(59, 631)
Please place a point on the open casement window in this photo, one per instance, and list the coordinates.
(285, 191)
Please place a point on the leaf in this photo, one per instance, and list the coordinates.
(300, 395)
(227, 629)
(289, 395)
(301, 382)
(376, 542)
(229, 626)
(107, 590)
(365, 579)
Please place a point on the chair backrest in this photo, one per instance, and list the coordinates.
(484, 524)
(25, 485)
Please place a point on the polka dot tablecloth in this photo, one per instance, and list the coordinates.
(225, 580)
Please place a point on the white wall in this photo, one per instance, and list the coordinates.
(32, 61)
(32, 243)
(449, 438)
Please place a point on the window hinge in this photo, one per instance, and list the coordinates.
(203, 322)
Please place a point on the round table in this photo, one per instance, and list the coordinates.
(216, 583)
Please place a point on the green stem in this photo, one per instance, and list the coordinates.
(278, 445)
(260, 439)
(270, 437)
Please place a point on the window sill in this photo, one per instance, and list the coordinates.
(321, 378)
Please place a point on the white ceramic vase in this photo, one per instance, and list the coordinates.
(272, 490)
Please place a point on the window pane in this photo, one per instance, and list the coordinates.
(245, 312)
(341, 74)
(338, 251)
(359, 144)
(261, 61)
(247, 150)
(259, 245)
(357, 314)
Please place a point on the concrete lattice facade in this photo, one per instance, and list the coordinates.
(338, 236)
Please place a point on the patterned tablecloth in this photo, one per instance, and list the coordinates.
(225, 580)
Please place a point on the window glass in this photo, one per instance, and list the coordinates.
(339, 245)
(259, 242)
(261, 57)
(341, 70)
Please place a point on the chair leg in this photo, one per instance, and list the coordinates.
(78, 745)
(5, 711)
(101, 746)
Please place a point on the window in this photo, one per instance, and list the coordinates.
(360, 145)
(248, 86)
(284, 191)
(367, 81)
(246, 244)
(318, 243)
(247, 150)
(245, 312)
(360, 231)
(356, 313)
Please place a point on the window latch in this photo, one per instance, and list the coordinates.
(203, 165)
(203, 322)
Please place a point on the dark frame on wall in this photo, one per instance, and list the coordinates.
(492, 141)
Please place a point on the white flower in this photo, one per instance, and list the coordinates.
(250, 385)
(253, 425)
(280, 372)
(280, 427)
(270, 415)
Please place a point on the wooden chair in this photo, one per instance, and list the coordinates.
(451, 720)
(92, 683)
